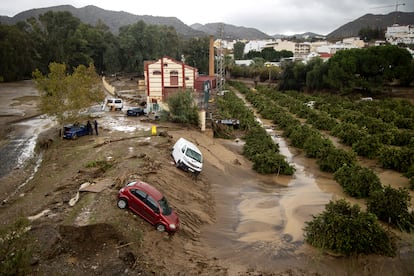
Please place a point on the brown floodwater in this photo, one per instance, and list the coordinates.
(260, 219)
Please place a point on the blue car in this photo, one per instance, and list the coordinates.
(135, 111)
(74, 131)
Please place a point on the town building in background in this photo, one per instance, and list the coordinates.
(397, 34)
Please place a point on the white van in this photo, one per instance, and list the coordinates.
(187, 156)
(116, 104)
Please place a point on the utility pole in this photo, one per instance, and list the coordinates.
(220, 61)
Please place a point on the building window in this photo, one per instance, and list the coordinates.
(174, 80)
(174, 73)
(165, 64)
(156, 72)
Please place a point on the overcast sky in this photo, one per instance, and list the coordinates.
(269, 16)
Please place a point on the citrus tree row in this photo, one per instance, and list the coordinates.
(368, 136)
(385, 203)
(259, 147)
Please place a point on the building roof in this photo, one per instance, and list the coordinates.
(148, 62)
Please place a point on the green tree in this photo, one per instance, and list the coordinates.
(345, 229)
(63, 94)
(132, 44)
(270, 54)
(196, 53)
(58, 30)
(369, 34)
(15, 53)
(357, 181)
(369, 69)
(330, 159)
(182, 108)
(316, 70)
(293, 76)
(391, 206)
(239, 50)
(253, 54)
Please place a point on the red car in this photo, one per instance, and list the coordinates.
(147, 202)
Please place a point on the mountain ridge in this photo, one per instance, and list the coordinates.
(372, 21)
(115, 19)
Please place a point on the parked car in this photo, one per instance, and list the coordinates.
(229, 122)
(73, 131)
(149, 203)
(116, 104)
(135, 111)
(187, 156)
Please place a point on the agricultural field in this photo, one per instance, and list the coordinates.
(351, 138)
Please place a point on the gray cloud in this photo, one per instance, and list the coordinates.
(269, 16)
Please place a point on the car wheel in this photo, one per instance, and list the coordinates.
(178, 165)
(160, 227)
(122, 203)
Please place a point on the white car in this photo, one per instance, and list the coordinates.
(116, 104)
(187, 156)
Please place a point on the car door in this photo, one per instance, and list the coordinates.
(152, 210)
(145, 206)
(137, 201)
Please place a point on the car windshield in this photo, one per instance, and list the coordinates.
(193, 154)
(165, 208)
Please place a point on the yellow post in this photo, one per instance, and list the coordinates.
(154, 130)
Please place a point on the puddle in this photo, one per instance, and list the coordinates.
(122, 123)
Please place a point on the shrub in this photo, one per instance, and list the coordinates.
(357, 181)
(367, 146)
(331, 159)
(183, 108)
(271, 162)
(322, 121)
(410, 174)
(15, 249)
(103, 165)
(344, 229)
(399, 159)
(391, 206)
(257, 141)
(299, 134)
(349, 133)
(264, 153)
(315, 144)
(402, 138)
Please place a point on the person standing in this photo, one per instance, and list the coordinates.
(89, 128)
(95, 123)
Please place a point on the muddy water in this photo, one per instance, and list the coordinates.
(18, 153)
(260, 219)
(21, 143)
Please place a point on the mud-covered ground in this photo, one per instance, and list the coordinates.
(84, 233)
